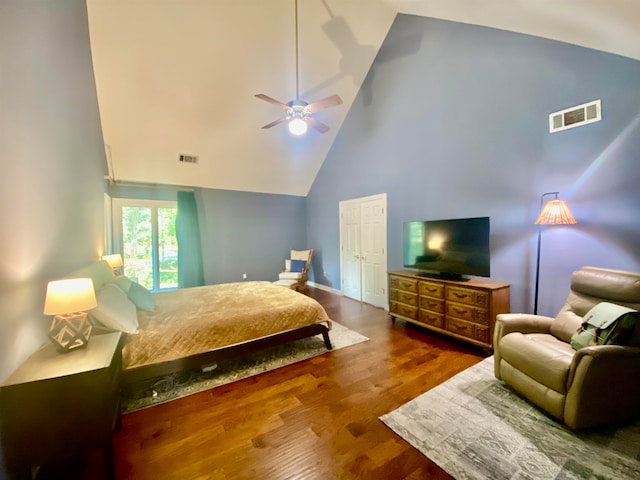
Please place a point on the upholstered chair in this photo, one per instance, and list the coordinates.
(594, 386)
(295, 272)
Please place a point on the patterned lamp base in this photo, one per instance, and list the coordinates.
(70, 331)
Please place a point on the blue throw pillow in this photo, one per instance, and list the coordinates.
(141, 297)
(298, 266)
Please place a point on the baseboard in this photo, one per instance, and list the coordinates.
(324, 287)
(319, 286)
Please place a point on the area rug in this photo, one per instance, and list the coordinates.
(159, 390)
(475, 427)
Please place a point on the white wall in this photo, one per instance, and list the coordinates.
(51, 163)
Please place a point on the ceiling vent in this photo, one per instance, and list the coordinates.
(188, 158)
(575, 116)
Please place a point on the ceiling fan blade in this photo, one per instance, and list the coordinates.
(331, 101)
(276, 122)
(318, 125)
(267, 98)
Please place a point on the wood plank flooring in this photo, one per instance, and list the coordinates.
(316, 419)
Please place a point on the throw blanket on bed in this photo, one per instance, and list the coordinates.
(195, 320)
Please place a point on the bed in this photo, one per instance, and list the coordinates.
(187, 328)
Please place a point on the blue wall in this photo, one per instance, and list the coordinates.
(248, 233)
(51, 168)
(452, 121)
(240, 232)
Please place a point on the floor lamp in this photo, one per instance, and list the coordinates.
(555, 212)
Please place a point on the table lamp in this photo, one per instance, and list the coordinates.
(115, 262)
(67, 300)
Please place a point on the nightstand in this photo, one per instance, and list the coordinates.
(56, 406)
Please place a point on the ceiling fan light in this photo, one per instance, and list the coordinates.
(297, 126)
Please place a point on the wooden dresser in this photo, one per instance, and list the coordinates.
(463, 309)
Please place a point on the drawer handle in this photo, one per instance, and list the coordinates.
(432, 290)
(460, 328)
(461, 295)
(458, 310)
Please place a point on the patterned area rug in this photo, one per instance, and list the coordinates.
(154, 391)
(475, 427)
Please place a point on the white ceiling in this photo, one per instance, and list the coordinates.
(179, 76)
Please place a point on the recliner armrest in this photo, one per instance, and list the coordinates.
(520, 322)
(605, 357)
(516, 322)
(602, 386)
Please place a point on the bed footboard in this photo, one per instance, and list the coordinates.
(224, 353)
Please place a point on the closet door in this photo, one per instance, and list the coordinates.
(373, 248)
(363, 246)
(350, 249)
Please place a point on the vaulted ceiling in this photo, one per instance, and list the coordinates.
(179, 76)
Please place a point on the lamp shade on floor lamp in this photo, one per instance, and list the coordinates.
(554, 212)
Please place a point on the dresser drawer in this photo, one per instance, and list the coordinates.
(402, 283)
(481, 316)
(432, 304)
(468, 296)
(403, 310)
(461, 295)
(482, 333)
(407, 297)
(460, 327)
(431, 289)
(459, 310)
(431, 318)
(468, 313)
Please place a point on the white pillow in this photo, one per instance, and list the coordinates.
(115, 311)
(100, 272)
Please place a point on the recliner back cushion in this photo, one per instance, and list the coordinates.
(590, 286)
(617, 286)
(568, 320)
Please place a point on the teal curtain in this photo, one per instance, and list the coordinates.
(190, 270)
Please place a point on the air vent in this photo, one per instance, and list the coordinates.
(188, 158)
(575, 116)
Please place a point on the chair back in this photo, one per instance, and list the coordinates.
(304, 255)
(590, 286)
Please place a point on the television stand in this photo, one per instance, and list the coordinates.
(465, 309)
(454, 277)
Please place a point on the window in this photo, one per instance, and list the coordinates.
(145, 233)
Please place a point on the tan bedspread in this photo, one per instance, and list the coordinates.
(195, 320)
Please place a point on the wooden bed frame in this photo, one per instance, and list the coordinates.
(224, 353)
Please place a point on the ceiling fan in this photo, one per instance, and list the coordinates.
(298, 112)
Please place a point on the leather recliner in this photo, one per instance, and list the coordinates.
(594, 386)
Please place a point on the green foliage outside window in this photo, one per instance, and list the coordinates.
(138, 251)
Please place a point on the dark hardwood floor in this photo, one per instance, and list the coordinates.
(316, 419)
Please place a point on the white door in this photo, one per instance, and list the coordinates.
(363, 239)
(350, 249)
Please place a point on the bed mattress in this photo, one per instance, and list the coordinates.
(196, 320)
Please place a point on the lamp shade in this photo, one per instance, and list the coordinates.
(114, 260)
(555, 212)
(70, 295)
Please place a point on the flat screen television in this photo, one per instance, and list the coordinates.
(448, 248)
